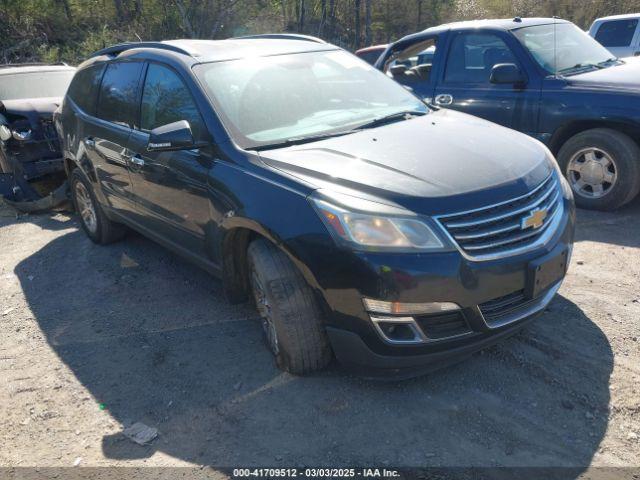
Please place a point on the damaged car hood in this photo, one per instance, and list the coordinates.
(414, 162)
(31, 108)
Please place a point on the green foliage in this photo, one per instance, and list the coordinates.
(69, 30)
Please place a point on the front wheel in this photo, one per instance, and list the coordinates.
(603, 168)
(289, 312)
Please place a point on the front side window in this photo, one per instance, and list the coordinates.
(38, 84)
(84, 87)
(166, 99)
(119, 92)
(413, 64)
(562, 47)
(617, 33)
(371, 56)
(472, 56)
(267, 100)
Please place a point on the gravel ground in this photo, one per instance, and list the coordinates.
(97, 338)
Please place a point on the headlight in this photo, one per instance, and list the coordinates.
(22, 135)
(372, 231)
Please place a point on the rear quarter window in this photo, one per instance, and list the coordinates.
(617, 33)
(84, 88)
(118, 97)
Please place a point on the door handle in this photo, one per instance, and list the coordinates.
(89, 142)
(444, 99)
(137, 160)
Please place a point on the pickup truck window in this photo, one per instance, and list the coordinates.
(413, 65)
(617, 33)
(562, 48)
(473, 55)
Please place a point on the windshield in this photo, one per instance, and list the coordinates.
(269, 100)
(562, 47)
(35, 84)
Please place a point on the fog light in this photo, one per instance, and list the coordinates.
(398, 330)
(399, 308)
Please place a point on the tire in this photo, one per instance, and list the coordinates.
(290, 314)
(615, 177)
(101, 230)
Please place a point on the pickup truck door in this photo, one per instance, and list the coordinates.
(464, 82)
(170, 188)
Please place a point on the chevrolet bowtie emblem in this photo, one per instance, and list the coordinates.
(535, 219)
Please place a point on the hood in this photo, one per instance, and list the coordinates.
(420, 162)
(33, 109)
(625, 77)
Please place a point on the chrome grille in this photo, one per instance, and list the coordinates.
(498, 230)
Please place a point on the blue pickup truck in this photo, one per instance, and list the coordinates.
(541, 76)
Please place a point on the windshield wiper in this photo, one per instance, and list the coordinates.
(393, 117)
(580, 66)
(300, 140)
(608, 61)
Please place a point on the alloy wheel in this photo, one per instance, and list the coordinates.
(86, 208)
(592, 172)
(264, 310)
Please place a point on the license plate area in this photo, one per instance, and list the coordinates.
(544, 272)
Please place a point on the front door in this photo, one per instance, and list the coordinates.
(465, 83)
(412, 67)
(170, 188)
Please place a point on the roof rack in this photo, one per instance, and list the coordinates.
(122, 47)
(285, 36)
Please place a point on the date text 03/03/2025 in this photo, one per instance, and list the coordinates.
(315, 472)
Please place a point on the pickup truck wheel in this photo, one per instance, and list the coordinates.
(602, 167)
(289, 312)
(92, 218)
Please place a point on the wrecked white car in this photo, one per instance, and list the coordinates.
(32, 176)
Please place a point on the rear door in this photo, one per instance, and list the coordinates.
(464, 83)
(171, 188)
(106, 135)
(620, 37)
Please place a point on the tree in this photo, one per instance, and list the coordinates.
(367, 22)
(357, 29)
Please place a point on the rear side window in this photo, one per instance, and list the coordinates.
(617, 33)
(166, 99)
(117, 101)
(84, 88)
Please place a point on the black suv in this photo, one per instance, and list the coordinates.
(362, 222)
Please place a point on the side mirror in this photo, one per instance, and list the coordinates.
(174, 136)
(398, 70)
(508, 73)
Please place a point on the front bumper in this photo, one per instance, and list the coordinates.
(476, 286)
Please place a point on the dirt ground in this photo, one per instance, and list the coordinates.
(96, 338)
